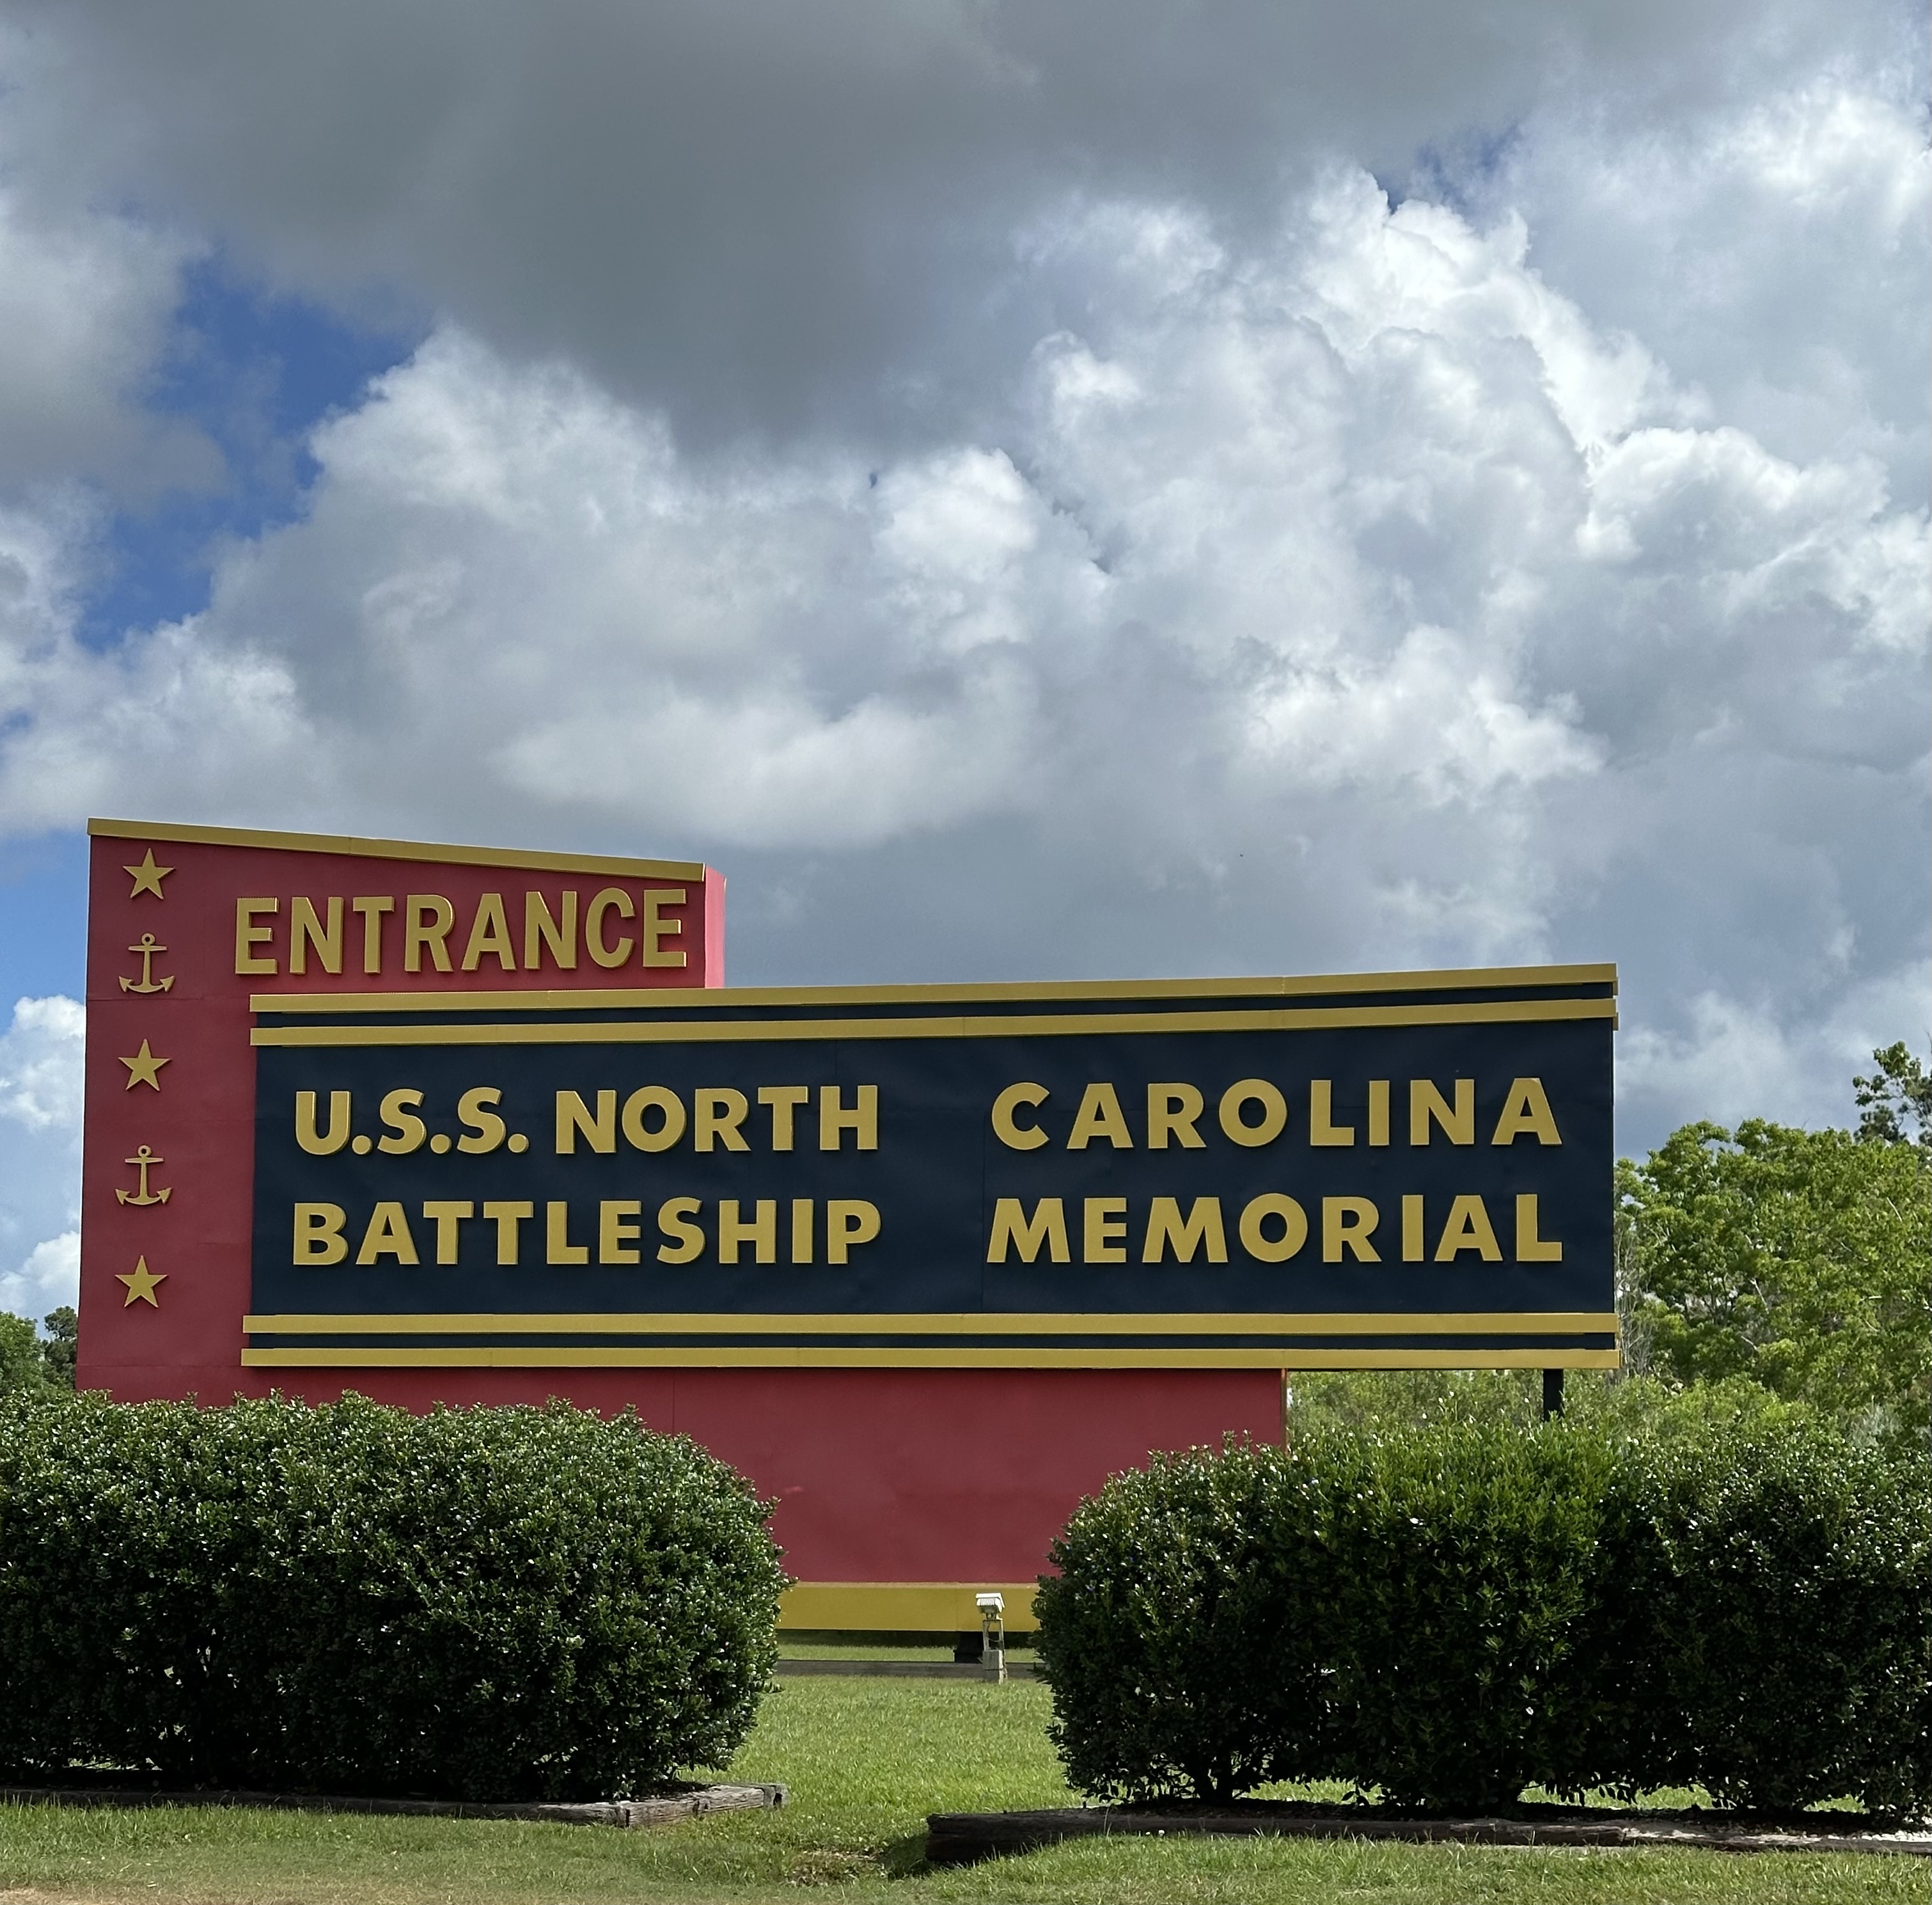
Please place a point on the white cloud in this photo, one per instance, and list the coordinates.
(743, 214)
(1737, 1060)
(40, 1155)
(86, 295)
(1771, 248)
(1197, 564)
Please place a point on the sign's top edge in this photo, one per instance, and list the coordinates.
(691, 870)
(724, 997)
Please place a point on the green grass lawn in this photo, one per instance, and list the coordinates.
(865, 1761)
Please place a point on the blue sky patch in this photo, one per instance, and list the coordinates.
(255, 372)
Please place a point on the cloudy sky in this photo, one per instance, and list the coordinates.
(1090, 490)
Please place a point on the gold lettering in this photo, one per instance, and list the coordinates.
(656, 929)
(1099, 1115)
(509, 1219)
(1274, 1112)
(612, 899)
(717, 1111)
(801, 1231)
(1171, 1110)
(484, 1128)
(319, 1238)
(1531, 1247)
(558, 1247)
(327, 1143)
(427, 920)
(1427, 1105)
(1347, 1223)
(306, 930)
(1256, 1241)
(1322, 1127)
(1046, 1227)
(398, 1113)
(372, 908)
(834, 1121)
(1378, 1111)
(1469, 1228)
(489, 933)
(1412, 1229)
(653, 1098)
(617, 1230)
(1526, 1109)
(388, 1235)
(540, 929)
(761, 1233)
(574, 1117)
(848, 1220)
(445, 1216)
(1014, 1135)
(248, 935)
(783, 1101)
(1105, 1229)
(1201, 1227)
(687, 1244)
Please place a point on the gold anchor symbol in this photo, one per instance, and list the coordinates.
(143, 1157)
(147, 947)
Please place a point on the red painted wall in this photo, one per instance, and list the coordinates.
(880, 1474)
(200, 1121)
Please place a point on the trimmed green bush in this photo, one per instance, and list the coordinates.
(1448, 1614)
(486, 1603)
(1463, 1568)
(1185, 1632)
(1764, 1620)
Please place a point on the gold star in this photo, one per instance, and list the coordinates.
(144, 1068)
(148, 877)
(141, 1283)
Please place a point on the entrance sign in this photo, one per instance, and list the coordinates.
(927, 1264)
(187, 925)
(1261, 1173)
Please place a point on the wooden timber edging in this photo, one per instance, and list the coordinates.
(963, 1838)
(656, 1809)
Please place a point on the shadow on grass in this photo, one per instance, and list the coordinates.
(904, 1857)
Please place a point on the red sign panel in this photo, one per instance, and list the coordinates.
(900, 1491)
(185, 924)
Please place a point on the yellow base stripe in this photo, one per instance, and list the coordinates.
(831, 1356)
(1469, 980)
(689, 1032)
(902, 1607)
(974, 1323)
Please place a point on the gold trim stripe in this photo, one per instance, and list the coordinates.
(1041, 1025)
(826, 1356)
(931, 1323)
(634, 997)
(689, 870)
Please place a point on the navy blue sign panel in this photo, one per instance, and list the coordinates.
(1381, 1170)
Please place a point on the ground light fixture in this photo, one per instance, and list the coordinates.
(992, 1634)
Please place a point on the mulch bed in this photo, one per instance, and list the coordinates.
(962, 1838)
(678, 1800)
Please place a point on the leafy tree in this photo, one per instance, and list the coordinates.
(1368, 1401)
(1801, 1260)
(1899, 1093)
(36, 1364)
(19, 1354)
(58, 1352)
